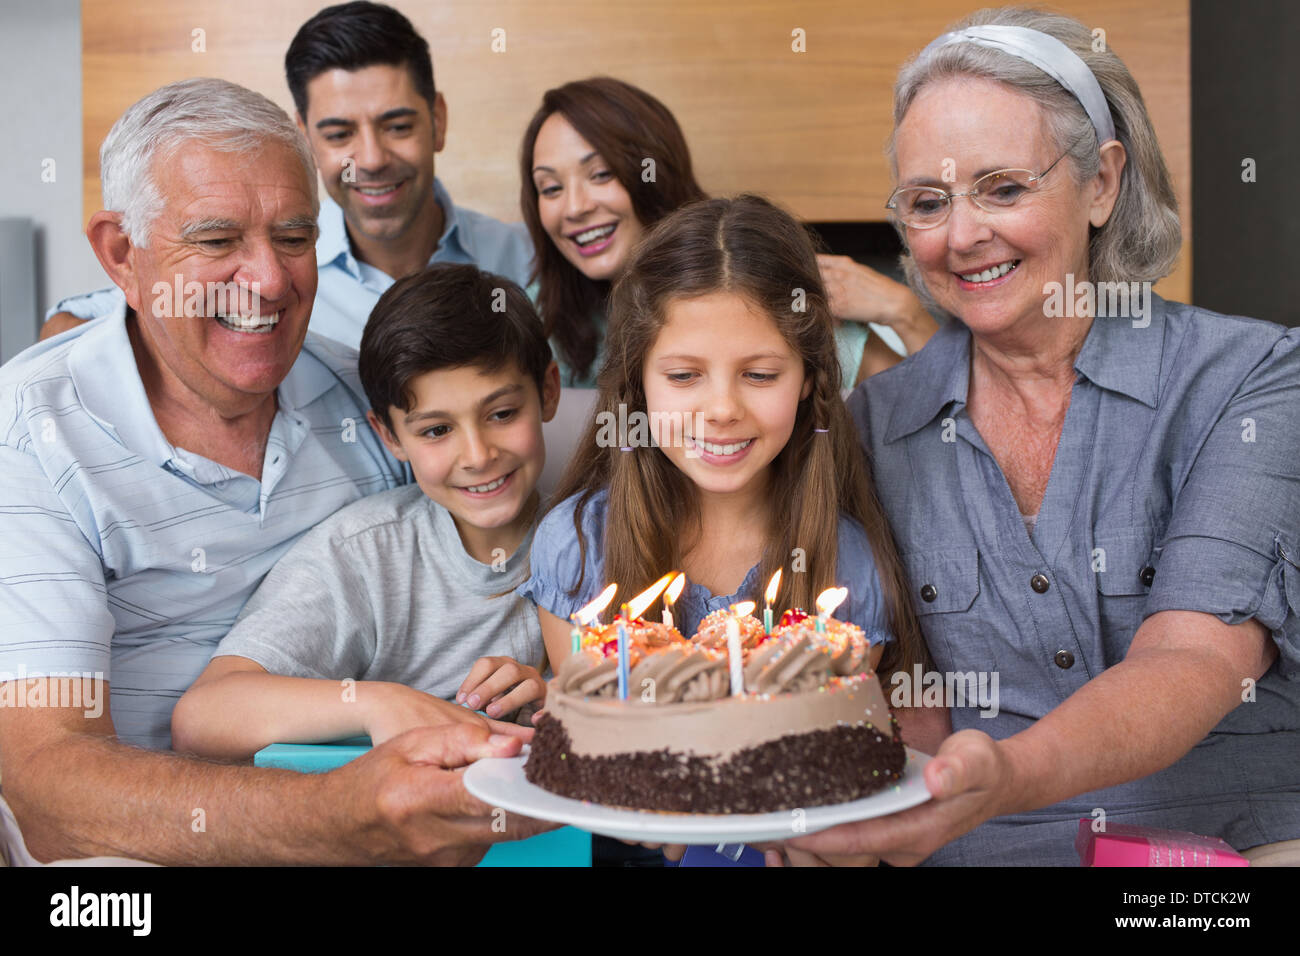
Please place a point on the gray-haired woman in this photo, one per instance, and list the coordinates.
(1097, 492)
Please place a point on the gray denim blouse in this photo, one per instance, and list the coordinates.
(1176, 485)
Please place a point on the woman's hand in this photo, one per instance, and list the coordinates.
(490, 681)
(861, 294)
(390, 710)
(970, 780)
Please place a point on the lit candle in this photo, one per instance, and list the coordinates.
(733, 646)
(622, 654)
(670, 597)
(636, 607)
(588, 613)
(768, 597)
(827, 602)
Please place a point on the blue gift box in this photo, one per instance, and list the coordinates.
(563, 847)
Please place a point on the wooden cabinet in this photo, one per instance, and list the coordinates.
(805, 128)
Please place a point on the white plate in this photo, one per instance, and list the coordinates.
(500, 782)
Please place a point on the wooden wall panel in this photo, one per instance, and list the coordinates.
(807, 129)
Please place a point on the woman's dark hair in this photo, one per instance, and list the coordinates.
(352, 36)
(448, 316)
(627, 126)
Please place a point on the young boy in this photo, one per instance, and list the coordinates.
(371, 622)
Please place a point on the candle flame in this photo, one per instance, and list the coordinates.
(636, 607)
(830, 599)
(592, 611)
(743, 608)
(770, 594)
(675, 589)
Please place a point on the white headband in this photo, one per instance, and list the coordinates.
(1048, 54)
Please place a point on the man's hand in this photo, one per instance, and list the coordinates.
(791, 856)
(969, 780)
(390, 710)
(410, 803)
(402, 802)
(491, 680)
(673, 852)
(59, 322)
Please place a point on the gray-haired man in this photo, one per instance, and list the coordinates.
(153, 466)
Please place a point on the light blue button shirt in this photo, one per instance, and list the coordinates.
(1176, 486)
(123, 555)
(556, 564)
(348, 288)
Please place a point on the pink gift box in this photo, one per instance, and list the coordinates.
(1122, 844)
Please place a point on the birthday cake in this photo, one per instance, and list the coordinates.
(810, 728)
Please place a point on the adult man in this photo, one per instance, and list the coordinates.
(153, 466)
(362, 81)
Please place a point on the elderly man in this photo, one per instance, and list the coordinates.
(153, 467)
(362, 82)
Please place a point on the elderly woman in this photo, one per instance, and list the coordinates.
(1101, 510)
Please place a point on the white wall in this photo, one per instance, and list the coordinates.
(40, 74)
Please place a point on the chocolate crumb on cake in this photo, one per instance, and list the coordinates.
(817, 768)
(809, 727)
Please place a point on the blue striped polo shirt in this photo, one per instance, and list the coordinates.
(123, 555)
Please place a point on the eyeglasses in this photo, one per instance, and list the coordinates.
(924, 207)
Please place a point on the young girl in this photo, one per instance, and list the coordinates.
(720, 335)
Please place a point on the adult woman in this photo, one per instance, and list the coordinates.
(602, 161)
(1102, 512)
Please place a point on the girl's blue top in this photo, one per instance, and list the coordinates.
(556, 565)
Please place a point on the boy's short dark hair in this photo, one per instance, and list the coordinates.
(352, 36)
(448, 316)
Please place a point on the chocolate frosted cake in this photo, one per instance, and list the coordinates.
(812, 727)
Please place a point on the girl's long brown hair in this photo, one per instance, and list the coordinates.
(748, 247)
(626, 126)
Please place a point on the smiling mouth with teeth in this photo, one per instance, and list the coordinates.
(594, 235)
(715, 449)
(257, 324)
(490, 486)
(376, 190)
(988, 275)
